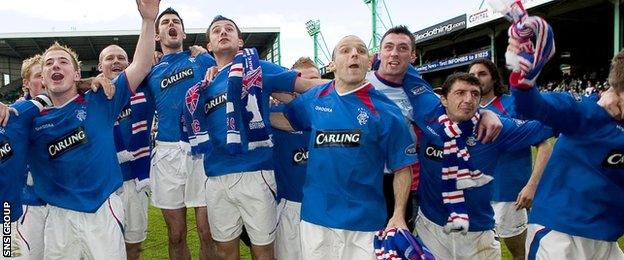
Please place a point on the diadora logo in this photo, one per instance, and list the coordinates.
(125, 114)
(6, 151)
(215, 103)
(519, 122)
(176, 77)
(44, 126)
(418, 90)
(2, 130)
(300, 156)
(338, 138)
(615, 159)
(362, 117)
(619, 127)
(432, 131)
(191, 59)
(433, 152)
(69, 141)
(323, 109)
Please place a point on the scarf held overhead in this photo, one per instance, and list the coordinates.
(246, 128)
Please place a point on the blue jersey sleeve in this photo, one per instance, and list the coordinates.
(562, 111)
(518, 134)
(277, 78)
(397, 141)
(297, 111)
(427, 101)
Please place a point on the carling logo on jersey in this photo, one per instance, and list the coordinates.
(69, 141)
(215, 103)
(300, 156)
(6, 151)
(615, 159)
(338, 138)
(433, 152)
(176, 77)
(124, 114)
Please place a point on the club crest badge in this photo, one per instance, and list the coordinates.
(362, 117)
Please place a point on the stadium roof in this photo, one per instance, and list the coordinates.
(88, 44)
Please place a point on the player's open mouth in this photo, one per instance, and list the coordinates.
(173, 32)
(354, 66)
(116, 69)
(57, 76)
(393, 63)
(224, 40)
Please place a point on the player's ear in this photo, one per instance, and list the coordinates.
(444, 101)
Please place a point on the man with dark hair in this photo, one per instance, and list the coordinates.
(240, 186)
(456, 218)
(177, 178)
(390, 76)
(515, 180)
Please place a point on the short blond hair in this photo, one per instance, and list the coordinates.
(304, 62)
(27, 65)
(58, 47)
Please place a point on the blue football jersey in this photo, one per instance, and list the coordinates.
(290, 155)
(13, 147)
(73, 159)
(167, 84)
(211, 102)
(352, 137)
(581, 191)
(513, 169)
(514, 135)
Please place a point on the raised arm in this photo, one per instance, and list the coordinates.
(143, 54)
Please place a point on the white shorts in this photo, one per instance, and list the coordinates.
(287, 239)
(239, 199)
(71, 234)
(509, 221)
(318, 242)
(31, 225)
(544, 243)
(13, 246)
(482, 245)
(135, 212)
(177, 180)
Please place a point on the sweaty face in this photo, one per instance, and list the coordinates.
(395, 55)
(113, 60)
(351, 60)
(462, 101)
(58, 72)
(309, 73)
(224, 37)
(33, 83)
(484, 76)
(170, 32)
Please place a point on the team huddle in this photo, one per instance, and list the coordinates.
(295, 164)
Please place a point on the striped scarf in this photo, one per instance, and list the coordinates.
(457, 171)
(398, 244)
(536, 38)
(246, 128)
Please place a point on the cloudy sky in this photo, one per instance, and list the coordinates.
(338, 17)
